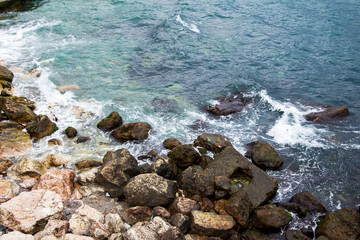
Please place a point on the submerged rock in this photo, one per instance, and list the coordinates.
(132, 131)
(65, 88)
(111, 122)
(184, 155)
(228, 105)
(5, 74)
(41, 126)
(212, 142)
(17, 112)
(270, 218)
(328, 113)
(264, 155)
(13, 141)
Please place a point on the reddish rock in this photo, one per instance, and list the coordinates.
(137, 214)
(161, 212)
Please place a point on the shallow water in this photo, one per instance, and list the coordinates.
(161, 62)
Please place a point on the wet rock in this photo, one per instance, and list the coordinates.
(183, 205)
(54, 142)
(30, 211)
(305, 199)
(171, 143)
(212, 142)
(137, 232)
(270, 218)
(71, 132)
(56, 160)
(254, 235)
(240, 206)
(82, 139)
(181, 221)
(17, 235)
(118, 168)
(41, 126)
(329, 112)
(293, 207)
(99, 231)
(5, 74)
(340, 225)
(184, 155)
(164, 167)
(149, 190)
(16, 111)
(209, 223)
(26, 168)
(228, 105)
(264, 155)
(8, 190)
(114, 223)
(88, 163)
(59, 181)
(5, 163)
(161, 212)
(65, 88)
(295, 235)
(81, 221)
(137, 214)
(70, 236)
(56, 228)
(111, 122)
(132, 131)
(13, 141)
(199, 125)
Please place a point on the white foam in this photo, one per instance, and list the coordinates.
(191, 26)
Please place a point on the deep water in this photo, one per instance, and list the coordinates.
(162, 61)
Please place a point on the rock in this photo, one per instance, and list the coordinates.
(206, 205)
(28, 183)
(5, 74)
(26, 168)
(65, 88)
(137, 214)
(105, 204)
(322, 238)
(340, 225)
(131, 131)
(59, 181)
(173, 233)
(116, 236)
(195, 237)
(56, 228)
(138, 232)
(13, 141)
(295, 235)
(41, 126)
(329, 112)
(82, 139)
(209, 223)
(88, 163)
(87, 176)
(222, 183)
(293, 207)
(56, 160)
(305, 199)
(70, 132)
(160, 226)
(161, 212)
(114, 223)
(270, 218)
(113, 121)
(240, 206)
(254, 235)
(54, 142)
(228, 105)
(171, 143)
(23, 100)
(70, 236)
(5, 163)
(16, 111)
(184, 155)
(151, 155)
(183, 205)
(17, 235)
(8, 190)
(81, 221)
(99, 231)
(181, 221)
(118, 168)
(212, 142)
(220, 207)
(264, 155)
(30, 211)
(164, 167)
(149, 190)
(200, 125)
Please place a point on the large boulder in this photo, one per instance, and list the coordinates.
(13, 141)
(150, 190)
(264, 155)
(184, 155)
(132, 131)
(41, 126)
(329, 112)
(270, 218)
(308, 201)
(119, 167)
(30, 211)
(111, 122)
(228, 105)
(5, 74)
(17, 112)
(212, 142)
(342, 224)
(26, 168)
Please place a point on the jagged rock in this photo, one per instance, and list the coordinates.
(305, 199)
(5, 74)
(88, 163)
(113, 121)
(183, 205)
(16, 111)
(26, 168)
(118, 168)
(295, 235)
(56, 160)
(41, 126)
(164, 167)
(99, 231)
(137, 214)
(149, 190)
(71, 132)
(132, 131)
(30, 211)
(212, 142)
(5, 163)
(56, 228)
(329, 112)
(17, 235)
(209, 223)
(161, 212)
(59, 181)
(114, 223)
(138, 232)
(171, 143)
(71, 236)
(184, 155)
(83, 218)
(8, 190)
(264, 155)
(181, 221)
(342, 224)
(270, 218)
(240, 206)
(13, 141)
(228, 105)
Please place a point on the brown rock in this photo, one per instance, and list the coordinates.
(164, 167)
(5, 163)
(8, 190)
(26, 168)
(183, 205)
(206, 204)
(23, 100)
(99, 231)
(270, 218)
(184, 155)
(41, 126)
(254, 235)
(137, 214)
(264, 155)
(220, 207)
(171, 143)
(305, 199)
(161, 212)
(16, 111)
(293, 207)
(113, 121)
(54, 142)
(240, 206)
(295, 235)
(132, 131)
(82, 139)
(6, 74)
(212, 142)
(57, 228)
(71, 132)
(228, 105)
(329, 112)
(88, 163)
(113, 223)
(56, 160)
(181, 221)
(13, 141)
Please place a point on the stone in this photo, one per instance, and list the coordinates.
(30, 211)
(206, 204)
(137, 214)
(59, 181)
(165, 167)
(149, 190)
(111, 122)
(71, 132)
(180, 221)
(340, 225)
(65, 88)
(220, 207)
(28, 183)
(183, 205)
(26, 168)
(160, 226)
(16, 111)
(228, 105)
(54, 142)
(8, 190)
(5, 163)
(56, 160)
(293, 207)
(330, 112)
(308, 201)
(295, 235)
(88, 163)
(82, 139)
(6, 74)
(195, 237)
(161, 212)
(23, 100)
(173, 233)
(41, 126)
(105, 204)
(71, 236)
(270, 218)
(151, 155)
(118, 168)
(222, 183)
(116, 236)
(209, 223)
(254, 235)
(13, 141)
(184, 156)
(131, 132)
(99, 231)
(171, 143)
(240, 206)
(212, 142)
(87, 176)
(83, 218)
(114, 224)
(264, 155)
(138, 232)
(56, 228)
(17, 235)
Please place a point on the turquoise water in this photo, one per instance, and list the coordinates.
(162, 61)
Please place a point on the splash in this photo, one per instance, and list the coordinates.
(191, 27)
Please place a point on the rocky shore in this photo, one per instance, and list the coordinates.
(203, 190)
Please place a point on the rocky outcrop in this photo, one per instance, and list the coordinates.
(149, 190)
(111, 122)
(30, 211)
(228, 105)
(5, 74)
(264, 155)
(16, 111)
(270, 218)
(184, 155)
(171, 143)
(137, 214)
(330, 112)
(118, 168)
(26, 168)
(308, 201)
(132, 131)
(71, 132)
(13, 141)
(212, 142)
(41, 126)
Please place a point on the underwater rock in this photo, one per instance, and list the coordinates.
(264, 155)
(329, 112)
